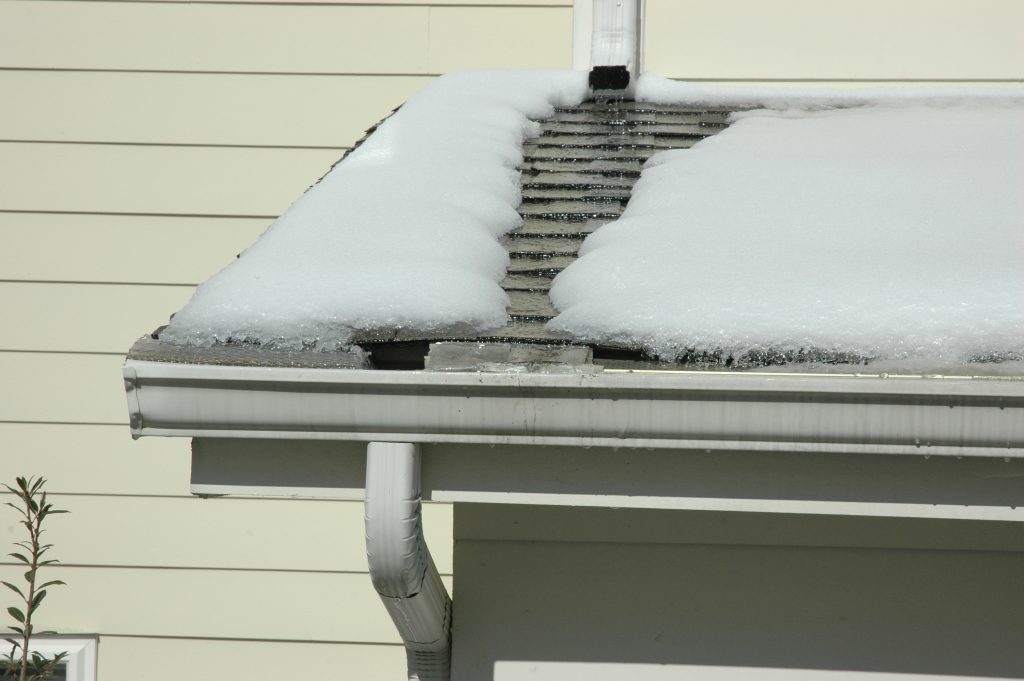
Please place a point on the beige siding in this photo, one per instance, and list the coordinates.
(144, 179)
(219, 533)
(84, 317)
(208, 37)
(193, 108)
(92, 458)
(247, 604)
(491, 38)
(142, 146)
(62, 387)
(49, 247)
(266, 38)
(124, 657)
(434, 3)
(875, 40)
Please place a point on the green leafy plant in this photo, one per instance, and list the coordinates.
(22, 663)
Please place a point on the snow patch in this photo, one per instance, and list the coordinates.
(889, 232)
(402, 234)
(652, 88)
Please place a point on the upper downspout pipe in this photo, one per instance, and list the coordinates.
(401, 568)
(615, 48)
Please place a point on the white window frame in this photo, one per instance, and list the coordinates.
(80, 662)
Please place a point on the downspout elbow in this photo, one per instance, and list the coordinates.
(401, 567)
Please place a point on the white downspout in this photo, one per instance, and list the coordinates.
(617, 36)
(401, 567)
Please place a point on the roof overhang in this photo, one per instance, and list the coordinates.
(868, 414)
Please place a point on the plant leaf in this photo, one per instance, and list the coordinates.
(16, 614)
(13, 588)
(36, 600)
(18, 556)
(52, 582)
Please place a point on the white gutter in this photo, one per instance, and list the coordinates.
(401, 567)
(686, 410)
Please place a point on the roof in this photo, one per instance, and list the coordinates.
(517, 383)
(575, 173)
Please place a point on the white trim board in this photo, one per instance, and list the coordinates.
(816, 483)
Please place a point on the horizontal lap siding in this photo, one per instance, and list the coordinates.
(232, 38)
(425, 3)
(142, 146)
(121, 657)
(91, 459)
(42, 387)
(198, 108)
(141, 179)
(191, 249)
(253, 38)
(254, 535)
(240, 604)
(84, 317)
(875, 40)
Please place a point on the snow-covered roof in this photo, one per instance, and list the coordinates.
(893, 232)
(402, 234)
(883, 225)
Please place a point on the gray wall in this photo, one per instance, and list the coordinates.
(527, 595)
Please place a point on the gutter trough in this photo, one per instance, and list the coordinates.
(584, 406)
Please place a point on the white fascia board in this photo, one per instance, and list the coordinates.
(683, 410)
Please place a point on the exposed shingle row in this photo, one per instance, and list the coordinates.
(576, 176)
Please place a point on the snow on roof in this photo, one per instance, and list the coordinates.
(653, 88)
(891, 230)
(885, 232)
(403, 233)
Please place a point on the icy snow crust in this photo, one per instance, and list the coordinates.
(402, 234)
(652, 88)
(888, 232)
